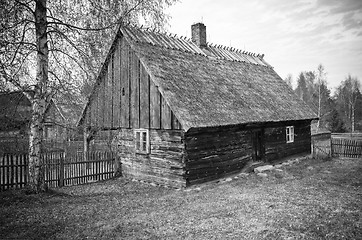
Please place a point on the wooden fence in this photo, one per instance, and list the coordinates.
(13, 171)
(59, 169)
(344, 147)
(321, 145)
(325, 145)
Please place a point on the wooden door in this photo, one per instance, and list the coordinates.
(258, 144)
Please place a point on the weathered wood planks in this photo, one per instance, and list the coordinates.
(135, 93)
(216, 152)
(116, 87)
(144, 104)
(155, 106)
(276, 146)
(164, 165)
(127, 97)
(126, 55)
(346, 147)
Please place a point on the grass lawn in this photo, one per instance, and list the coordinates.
(313, 199)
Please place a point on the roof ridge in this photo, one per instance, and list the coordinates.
(168, 40)
(166, 33)
(174, 35)
(236, 50)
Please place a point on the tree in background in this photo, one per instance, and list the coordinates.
(301, 89)
(289, 80)
(312, 88)
(56, 46)
(306, 89)
(320, 80)
(336, 124)
(349, 102)
(340, 113)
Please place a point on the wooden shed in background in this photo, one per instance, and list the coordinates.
(180, 111)
(15, 116)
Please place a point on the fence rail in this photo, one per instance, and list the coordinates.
(353, 136)
(59, 169)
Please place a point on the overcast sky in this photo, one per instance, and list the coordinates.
(294, 35)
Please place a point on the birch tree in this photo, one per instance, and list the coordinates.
(347, 95)
(320, 81)
(45, 46)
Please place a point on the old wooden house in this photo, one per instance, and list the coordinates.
(182, 111)
(15, 116)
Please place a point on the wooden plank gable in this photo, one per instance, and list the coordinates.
(155, 106)
(135, 92)
(144, 98)
(126, 97)
(125, 79)
(116, 88)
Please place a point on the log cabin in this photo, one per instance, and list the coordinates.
(182, 111)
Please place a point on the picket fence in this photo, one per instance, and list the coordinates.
(344, 147)
(325, 145)
(60, 169)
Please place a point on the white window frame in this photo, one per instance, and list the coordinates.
(289, 131)
(142, 145)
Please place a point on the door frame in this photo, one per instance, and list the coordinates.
(258, 144)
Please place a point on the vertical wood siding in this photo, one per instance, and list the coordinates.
(126, 97)
(155, 106)
(144, 99)
(116, 87)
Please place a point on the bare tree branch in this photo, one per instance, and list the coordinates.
(22, 39)
(26, 5)
(60, 22)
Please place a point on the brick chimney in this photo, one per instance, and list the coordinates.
(198, 31)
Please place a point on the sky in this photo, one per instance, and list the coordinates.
(294, 35)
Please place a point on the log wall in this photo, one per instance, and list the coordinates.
(163, 165)
(216, 152)
(212, 153)
(126, 97)
(276, 146)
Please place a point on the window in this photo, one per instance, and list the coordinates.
(290, 134)
(142, 142)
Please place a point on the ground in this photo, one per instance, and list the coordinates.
(312, 199)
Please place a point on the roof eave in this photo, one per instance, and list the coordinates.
(249, 124)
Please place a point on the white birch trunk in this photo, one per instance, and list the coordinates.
(36, 180)
(352, 119)
(319, 105)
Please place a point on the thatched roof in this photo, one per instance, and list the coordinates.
(215, 86)
(212, 85)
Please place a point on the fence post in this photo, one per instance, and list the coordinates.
(331, 146)
(61, 169)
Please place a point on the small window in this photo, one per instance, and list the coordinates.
(290, 134)
(142, 142)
